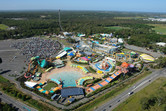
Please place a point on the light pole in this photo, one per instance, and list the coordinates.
(0, 60)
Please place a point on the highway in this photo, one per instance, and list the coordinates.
(21, 106)
(113, 103)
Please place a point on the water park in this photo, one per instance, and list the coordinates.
(75, 72)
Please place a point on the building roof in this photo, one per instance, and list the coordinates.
(30, 84)
(88, 53)
(161, 43)
(120, 40)
(148, 58)
(58, 61)
(71, 53)
(61, 54)
(52, 97)
(66, 92)
(71, 100)
(84, 58)
(67, 49)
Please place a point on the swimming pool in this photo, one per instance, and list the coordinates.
(67, 77)
(107, 70)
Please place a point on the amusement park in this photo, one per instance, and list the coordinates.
(83, 69)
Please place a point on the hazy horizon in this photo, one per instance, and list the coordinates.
(86, 5)
(49, 10)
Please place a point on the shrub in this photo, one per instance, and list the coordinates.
(91, 69)
(144, 103)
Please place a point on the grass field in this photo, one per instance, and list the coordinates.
(111, 94)
(138, 17)
(3, 27)
(2, 79)
(159, 28)
(63, 41)
(117, 27)
(49, 86)
(133, 103)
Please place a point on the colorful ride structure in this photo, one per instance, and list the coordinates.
(40, 89)
(122, 69)
(83, 79)
(33, 65)
(104, 66)
(105, 82)
(81, 67)
(28, 73)
(125, 55)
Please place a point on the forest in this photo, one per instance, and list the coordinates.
(36, 23)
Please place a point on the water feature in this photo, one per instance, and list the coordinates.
(68, 78)
(107, 70)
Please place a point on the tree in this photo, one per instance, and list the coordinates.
(24, 97)
(144, 103)
(19, 95)
(161, 62)
(152, 100)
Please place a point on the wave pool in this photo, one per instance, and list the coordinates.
(68, 78)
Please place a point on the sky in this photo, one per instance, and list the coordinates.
(103, 5)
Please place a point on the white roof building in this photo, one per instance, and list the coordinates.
(163, 44)
(61, 54)
(120, 40)
(30, 84)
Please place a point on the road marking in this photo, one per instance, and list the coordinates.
(140, 85)
(15, 104)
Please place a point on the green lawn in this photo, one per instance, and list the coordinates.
(49, 86)
(117, 27)
(159, 28)
(3, 27)
(133, 103)
(2, 79)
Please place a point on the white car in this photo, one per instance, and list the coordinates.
(130, 93)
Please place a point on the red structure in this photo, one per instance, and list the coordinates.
(104, 65)
(125, 65)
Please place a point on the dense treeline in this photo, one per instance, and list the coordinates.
(7, 107)
(30, 24)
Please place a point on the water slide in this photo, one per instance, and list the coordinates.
(112, 64)
(40, 89)
(105, 82)
(110, 60)
(57, 81)
(28, 74)
(43, 63)
(55, 89)
(81, 80)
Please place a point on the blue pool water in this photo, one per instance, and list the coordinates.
(107, 70)
(67, 78)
